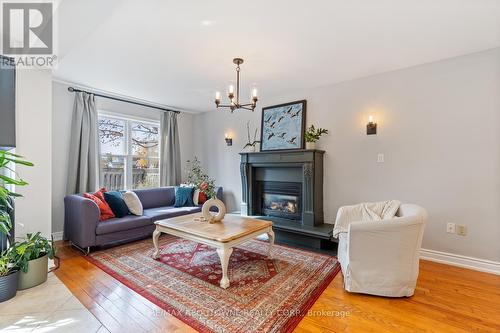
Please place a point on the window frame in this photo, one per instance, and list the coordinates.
(129, 156)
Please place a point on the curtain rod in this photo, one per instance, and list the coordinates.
(71, 89)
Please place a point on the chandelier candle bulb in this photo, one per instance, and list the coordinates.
(217, 96)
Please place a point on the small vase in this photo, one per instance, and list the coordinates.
(310, 145)
(249, 149)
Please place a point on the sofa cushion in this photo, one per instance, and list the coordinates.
(116, 202)
(156, 197)
(124, 223)
(133, 203)
(160, 213)
(184, 197)
(105, 211)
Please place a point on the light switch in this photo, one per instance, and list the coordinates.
(380, 158)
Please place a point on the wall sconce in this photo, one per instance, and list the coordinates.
(229, 140)
(371, 127)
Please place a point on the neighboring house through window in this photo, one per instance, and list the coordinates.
(129, 152)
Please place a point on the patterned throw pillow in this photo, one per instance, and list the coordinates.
(184, 197)
(104, 209)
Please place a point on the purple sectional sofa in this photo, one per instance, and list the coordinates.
(83, 228)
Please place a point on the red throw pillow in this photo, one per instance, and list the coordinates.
(104, 209)
(100, 194)
(202, 197)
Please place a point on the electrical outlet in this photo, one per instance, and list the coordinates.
(461, 230)
(380, 158)
(450, 228)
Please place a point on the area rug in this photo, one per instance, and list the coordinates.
(266, 295)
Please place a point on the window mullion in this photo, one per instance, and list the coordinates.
(128, 164)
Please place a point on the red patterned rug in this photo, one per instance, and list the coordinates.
(266, 295)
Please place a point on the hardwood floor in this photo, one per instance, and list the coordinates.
(447, 299)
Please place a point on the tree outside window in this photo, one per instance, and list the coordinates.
(129, 153)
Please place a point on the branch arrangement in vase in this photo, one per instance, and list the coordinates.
(251, 143)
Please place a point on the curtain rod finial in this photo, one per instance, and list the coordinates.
(71, 89)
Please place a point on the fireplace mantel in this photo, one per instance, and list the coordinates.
(304, 166)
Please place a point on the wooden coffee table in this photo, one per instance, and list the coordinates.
(225, 235)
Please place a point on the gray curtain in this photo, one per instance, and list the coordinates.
(83, 173)
(170, 154)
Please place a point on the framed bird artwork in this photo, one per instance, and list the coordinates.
(283, 126)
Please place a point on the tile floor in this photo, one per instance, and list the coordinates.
(49, 307)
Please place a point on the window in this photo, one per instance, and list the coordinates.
(129, 153)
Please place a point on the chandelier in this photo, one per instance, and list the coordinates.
(234, 98)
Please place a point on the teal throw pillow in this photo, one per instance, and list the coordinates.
(184, 197)
(116, 203)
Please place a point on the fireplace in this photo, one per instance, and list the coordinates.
(281, 199)
(286, 187)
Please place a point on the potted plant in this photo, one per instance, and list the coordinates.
(312, 135)
(32, 257)
(8, 276)
(6, 196)
(196, 176)
(251, 146)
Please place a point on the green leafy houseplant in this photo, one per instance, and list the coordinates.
(34, 246)
(6, 158)
(198, 178)
(6, 263)
(313, 134)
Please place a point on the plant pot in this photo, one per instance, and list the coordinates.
(4, 242)
(8, 286)
(36, 274)
(310, 145)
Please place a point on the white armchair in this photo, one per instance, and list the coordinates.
(382, 257)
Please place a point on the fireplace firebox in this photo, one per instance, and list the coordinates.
(280, 199)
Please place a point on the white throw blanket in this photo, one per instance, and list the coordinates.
(368, 211)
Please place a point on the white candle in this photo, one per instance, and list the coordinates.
(217, 95)
(254, 92)
(231, 89)
(370, 119)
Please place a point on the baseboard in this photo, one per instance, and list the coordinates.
(477, 264)
(57, 235)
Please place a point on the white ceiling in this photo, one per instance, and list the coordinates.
(164, 52)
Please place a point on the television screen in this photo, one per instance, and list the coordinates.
(7, 103)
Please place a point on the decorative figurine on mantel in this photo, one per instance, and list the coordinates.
(312, 135)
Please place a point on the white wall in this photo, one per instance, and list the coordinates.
(62, 113)
(33, 140)
(439, 128)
